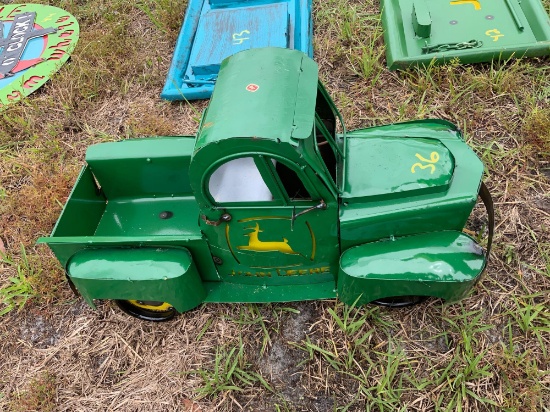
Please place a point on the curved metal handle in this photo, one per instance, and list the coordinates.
(226, 217)
(320, 206)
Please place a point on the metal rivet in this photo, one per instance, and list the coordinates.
(453, 22)
(489, 17)
(217, 260)
(166, 214)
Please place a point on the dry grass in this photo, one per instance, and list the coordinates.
(487, 353)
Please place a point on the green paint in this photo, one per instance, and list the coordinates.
(281, 109)
(422, 21)
(149, 274)
(471, 30)
(442, 264)
(46, 35)
(151, 219)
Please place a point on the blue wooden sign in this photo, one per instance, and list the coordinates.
(215, 29)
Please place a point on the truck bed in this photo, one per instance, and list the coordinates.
(145, 218)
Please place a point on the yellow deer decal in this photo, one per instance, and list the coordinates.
(257, 245)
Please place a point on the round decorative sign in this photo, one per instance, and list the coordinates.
(252, 87)
(35, 41)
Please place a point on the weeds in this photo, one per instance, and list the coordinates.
(40, 396)
(18, 290)
(230, 372)
(489, 353)
(532, 318)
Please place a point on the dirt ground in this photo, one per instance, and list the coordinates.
(487, 353)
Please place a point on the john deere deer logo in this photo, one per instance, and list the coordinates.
(256, 245)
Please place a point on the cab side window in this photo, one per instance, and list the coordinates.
(325, 126)
(292, 184)
(238, 180)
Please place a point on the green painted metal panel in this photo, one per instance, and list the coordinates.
(261, 245)
(470, 30)
(422, 21)
(65, 248)
(85, 200)
(258, 293)
(206, 160)
(35, 42)
(442, 264)
(262, 93)
(149, 167)
(409, 166)
(173, 216)
(369, 219)
(150, 274)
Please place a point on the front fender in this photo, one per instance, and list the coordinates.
(149, 274)
(441, 264)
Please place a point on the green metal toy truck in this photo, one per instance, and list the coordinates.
(273, 201)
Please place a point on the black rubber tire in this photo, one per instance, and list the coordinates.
(400, 301)
(144, 314)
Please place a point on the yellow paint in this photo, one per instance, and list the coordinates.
(284, 272)
(475, 3)
(434, 158)
(494, 34)
(229, 244)
(256, 245)
(276, 267)
(313, 242)
(238, 37)
(161, 308)
(48, 18)
(302, 272)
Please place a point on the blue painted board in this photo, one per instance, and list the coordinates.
(215, 29)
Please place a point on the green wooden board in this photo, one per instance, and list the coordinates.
(35, 41)
(425, 31)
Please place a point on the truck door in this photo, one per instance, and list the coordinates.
(277, 227)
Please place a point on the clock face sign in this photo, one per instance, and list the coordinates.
(35, 41)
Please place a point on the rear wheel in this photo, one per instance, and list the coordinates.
(400, 301)
(147, 309)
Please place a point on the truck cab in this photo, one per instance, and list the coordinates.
(273, 200)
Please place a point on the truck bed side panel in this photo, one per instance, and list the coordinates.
(139, 168)
(84, 208)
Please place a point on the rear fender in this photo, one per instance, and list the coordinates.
(441, 264)
(149, 274)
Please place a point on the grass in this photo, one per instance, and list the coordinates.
(487, 353)
(229, 372)
(40, 395)
(18, 289)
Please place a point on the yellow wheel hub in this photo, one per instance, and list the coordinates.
(147, 309)
(153, 306)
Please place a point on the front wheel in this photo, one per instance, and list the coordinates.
(400, 301)
(152, 311)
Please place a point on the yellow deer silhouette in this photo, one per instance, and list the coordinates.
(257, 245)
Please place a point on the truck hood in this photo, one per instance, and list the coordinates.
(407, 178)
(394, 167)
